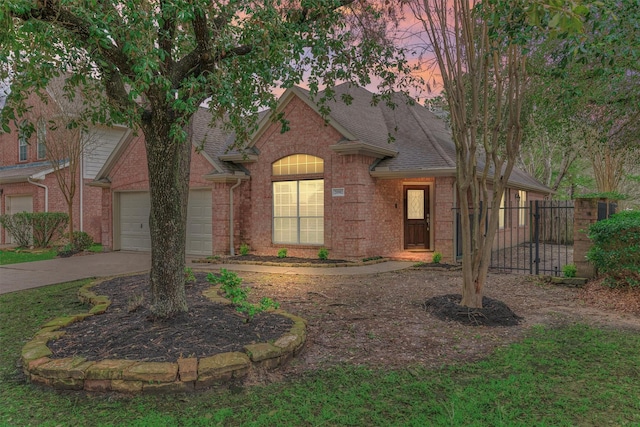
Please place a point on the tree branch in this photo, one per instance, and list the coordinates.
(53, 12)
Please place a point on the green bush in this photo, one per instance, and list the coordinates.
(616, 248)
(48, 226)
(282, 253)
(323, 253)
(81, 241)
(233, 290)
(19, 227)
(569, 270)
(35, 228)
(67, 251)
(244, 249)
(437, 257)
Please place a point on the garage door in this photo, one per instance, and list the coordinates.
(17, 204)
(199, 223)
(134, 222)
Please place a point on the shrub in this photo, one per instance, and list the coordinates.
(244, 249)
(81, 241)
(569, 270)
(616, 248)
(437, 257)
(67, 251)
(233, 290)
(48, 226)
(34, 228)
(19, 227)
(323, 253)
(282, 253)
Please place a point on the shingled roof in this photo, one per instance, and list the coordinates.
(406, 138)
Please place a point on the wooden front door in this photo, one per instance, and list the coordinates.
(416, 217)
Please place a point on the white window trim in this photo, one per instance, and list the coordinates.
(297, 217)
(522, 211)
(22, 144)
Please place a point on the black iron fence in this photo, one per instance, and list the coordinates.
(533, 239)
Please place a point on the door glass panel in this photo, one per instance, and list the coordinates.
(415, 204)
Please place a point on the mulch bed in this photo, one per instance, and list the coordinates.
(492, 313)
(128, 330)
(286, 260)
(438, 266)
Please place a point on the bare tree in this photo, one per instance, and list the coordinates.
(483, 76)
(67, 141)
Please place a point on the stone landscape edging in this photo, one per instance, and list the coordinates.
(132, 376)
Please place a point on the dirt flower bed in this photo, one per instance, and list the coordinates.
(380, 320)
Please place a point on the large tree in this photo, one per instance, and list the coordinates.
(151, 63)
(585, 91)
(481, 50)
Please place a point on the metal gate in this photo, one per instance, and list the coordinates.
(533, 239)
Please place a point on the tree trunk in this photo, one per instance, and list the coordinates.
(70, 212)
(471, 287)
(168, 161)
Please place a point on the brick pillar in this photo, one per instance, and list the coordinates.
(585, 213)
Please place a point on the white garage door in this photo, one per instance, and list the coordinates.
(134, 222)
(199, 223)
(17, 204)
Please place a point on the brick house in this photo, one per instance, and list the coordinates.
(369, 180)
(27, 179)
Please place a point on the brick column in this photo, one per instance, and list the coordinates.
(585, 213)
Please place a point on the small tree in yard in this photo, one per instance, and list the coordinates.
(481, 50)
(66, 137)
(150, 64)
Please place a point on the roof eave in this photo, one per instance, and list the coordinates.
(102, 183)
(14, 179)
(386, 173)
(364, 149)
(226, 178)
(239, 158)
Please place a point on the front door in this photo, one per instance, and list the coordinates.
(416, 217)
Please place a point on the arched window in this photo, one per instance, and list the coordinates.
(298, 164)
(298, 206)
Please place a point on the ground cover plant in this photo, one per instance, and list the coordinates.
(564, 373)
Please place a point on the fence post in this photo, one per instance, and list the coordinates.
(585, 213)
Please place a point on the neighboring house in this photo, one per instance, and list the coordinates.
(367, 181)
(27, 180)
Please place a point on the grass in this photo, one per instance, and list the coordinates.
(96, 247)
(577, 375)
(14, 256)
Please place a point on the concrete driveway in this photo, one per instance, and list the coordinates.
(16, 277)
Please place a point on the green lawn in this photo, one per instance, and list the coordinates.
(14, 256)
(576, 375)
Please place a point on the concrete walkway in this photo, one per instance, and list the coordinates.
(16, 277)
